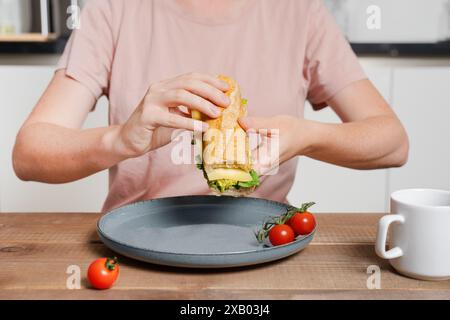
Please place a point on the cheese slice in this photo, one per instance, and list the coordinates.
(229, 174)
(196, 115)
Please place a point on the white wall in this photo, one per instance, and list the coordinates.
(400, 21)
(20, 88)
(422, 100)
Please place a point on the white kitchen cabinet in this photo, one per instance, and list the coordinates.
(20, 88)
(337, 189)
(421, 97)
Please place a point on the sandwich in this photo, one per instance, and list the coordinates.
(226, 157)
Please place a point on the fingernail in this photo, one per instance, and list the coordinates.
(226, 86)
(226, 100)
(244, 121)
(215, 111)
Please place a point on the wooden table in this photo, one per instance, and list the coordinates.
(37, 248)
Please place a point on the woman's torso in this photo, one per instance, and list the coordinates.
(263, 49)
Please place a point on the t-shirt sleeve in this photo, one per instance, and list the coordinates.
(88, 55)
(330, 64)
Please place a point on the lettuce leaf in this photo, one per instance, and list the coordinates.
(248, 184)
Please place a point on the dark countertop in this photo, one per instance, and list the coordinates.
(53, 46)
(441, 49)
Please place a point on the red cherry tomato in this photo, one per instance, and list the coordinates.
(281, 234)
(302, 223)
(103, 272)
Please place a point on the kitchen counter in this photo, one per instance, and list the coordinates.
(48, 47)
(37, 248)
(440, 49)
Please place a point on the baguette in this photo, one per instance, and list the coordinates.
(227, 163)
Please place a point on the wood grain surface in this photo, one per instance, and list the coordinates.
(37, 248)
(27, 37)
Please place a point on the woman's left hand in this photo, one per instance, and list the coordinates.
(279, 139)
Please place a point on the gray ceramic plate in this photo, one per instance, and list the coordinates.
(195, 231)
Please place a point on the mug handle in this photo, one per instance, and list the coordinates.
(380, 245)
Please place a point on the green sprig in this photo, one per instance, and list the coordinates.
(262, 233)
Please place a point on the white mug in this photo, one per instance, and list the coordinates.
(420, 233)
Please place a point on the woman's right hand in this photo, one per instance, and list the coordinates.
(159, 109)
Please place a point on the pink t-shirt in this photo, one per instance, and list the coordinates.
(281, 52)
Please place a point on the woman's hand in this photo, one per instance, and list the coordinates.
(147, 127)
(75, 153)
(371, 136)
(280, 138)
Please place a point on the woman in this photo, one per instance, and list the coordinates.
(142, 54)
